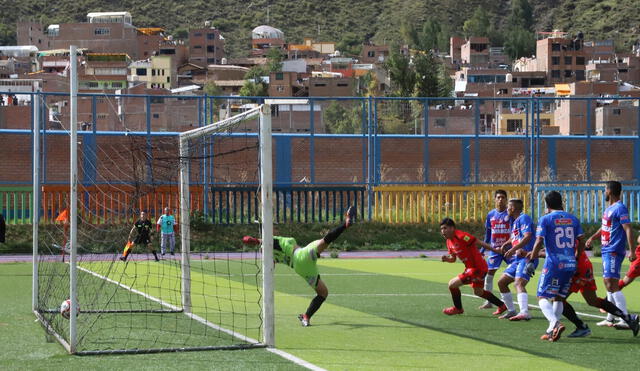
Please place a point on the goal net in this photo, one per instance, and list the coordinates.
(99, 287)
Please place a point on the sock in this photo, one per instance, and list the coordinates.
(488, 282)
(457, 297)
(154, 254)
(492, 298)
(610, 308)
(507, 298)
(523, 302)
(331, 236)
(315, 305)
(571, 315)
(612, 300)
(621, 284)
(549, 313)
(558, 308)
(621, 301)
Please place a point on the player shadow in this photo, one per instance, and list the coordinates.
(356, 326)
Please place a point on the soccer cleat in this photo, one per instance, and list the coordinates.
(605, 323)
(501, 309)
(350, 217)
(123, 258)
(580, 332)
(546, 336)
(508, 315)
(172, 254)
(452, 311)
(304, 320)
(521, 317)
(558, 329)
(486, 305)
(620, 324)
(634, 323)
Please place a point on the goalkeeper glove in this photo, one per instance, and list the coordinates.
(530, 269)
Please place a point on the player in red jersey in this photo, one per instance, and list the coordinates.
(634, 268)
(464, 246)
(584, 282)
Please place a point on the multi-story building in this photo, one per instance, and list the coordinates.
(104, 72)
(621, 119)
(374, 53)
(310, 49)
(264, 38)
(475, 52)
(206, 46)
(156, 72)
(109, 32)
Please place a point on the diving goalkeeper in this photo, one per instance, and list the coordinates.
(303, 260)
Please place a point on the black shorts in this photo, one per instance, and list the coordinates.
(142, 240)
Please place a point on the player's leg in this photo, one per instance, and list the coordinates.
(163, 243)
(321, 295)
(456, 296)
(152, 249)
(611, 274)
(349, 220)
(632, 273)
(172, 243)
(127, 250)
(477, 279)
(503, 285)
(569, 313)
(550, 285)
(593, 300)
(493, 262)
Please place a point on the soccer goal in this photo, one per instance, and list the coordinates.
(209, 292)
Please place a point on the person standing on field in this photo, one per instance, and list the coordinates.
(167, 226)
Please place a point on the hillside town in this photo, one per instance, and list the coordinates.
(116, 58)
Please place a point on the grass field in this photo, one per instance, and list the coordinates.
(381, 314)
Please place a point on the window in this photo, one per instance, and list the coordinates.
(343, 84)
(568, 73)
(616, 111)
(555, 47)
(211, 36)
(440, 123)
(568, 60)
(169, 79)
(102, 31)
(156, 116)
(157, 100)
(580, 61)
(141, 71)
(545, 122)
(197, 47)
(211, 48)
(279, 76)
(211, 60)
(617, 131)
(101, 116)
(197, 34)
(579, 75)
(555, 74)
(319, 84)
(371, 53)
(153, 72)
(555, 61)
(93, 84)
(514, 126)
(162, 72)
(116, 84)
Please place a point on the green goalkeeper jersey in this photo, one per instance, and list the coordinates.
(287, 245)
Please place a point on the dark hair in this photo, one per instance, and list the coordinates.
(500, 192)
(276, 245)
(517, 203)
(615, 188)
(448, 222)
(553, 200)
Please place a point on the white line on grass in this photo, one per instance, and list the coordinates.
(281, 353)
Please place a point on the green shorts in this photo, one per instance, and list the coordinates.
(304, 263)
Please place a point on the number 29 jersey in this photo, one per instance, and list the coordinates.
(560, 230)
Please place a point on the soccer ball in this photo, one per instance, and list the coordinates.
(65, 309)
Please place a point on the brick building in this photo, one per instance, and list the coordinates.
(206, 46)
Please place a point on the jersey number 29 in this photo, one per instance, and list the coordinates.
(562, 232)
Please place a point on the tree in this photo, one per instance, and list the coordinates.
(521, 15)
(426, 70)
(478, 24)
(519, 43)
(445, 82)
(274, 60)
(7, 35)
(428, 39)
(402, 76)
(213, 90)
(408, 33)
(340, 120)
(253, 89)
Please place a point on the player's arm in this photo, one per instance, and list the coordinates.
(159, 223)
(449, 258)
(581, 246)
(487, 246)
(507, 243)
(629, 232)
(524, 242)
(593, 237)
(537, 246)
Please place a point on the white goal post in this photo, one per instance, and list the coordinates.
(266, 189)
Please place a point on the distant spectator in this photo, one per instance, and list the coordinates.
(1, 100)
(3, 228)
(15, 100)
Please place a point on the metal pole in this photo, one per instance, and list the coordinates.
(35, 211)
(73, 199)
(184, 225)
(266, 194)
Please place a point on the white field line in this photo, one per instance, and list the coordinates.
(242, 337)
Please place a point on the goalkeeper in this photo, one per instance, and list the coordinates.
(303, 260)
(143, 227)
